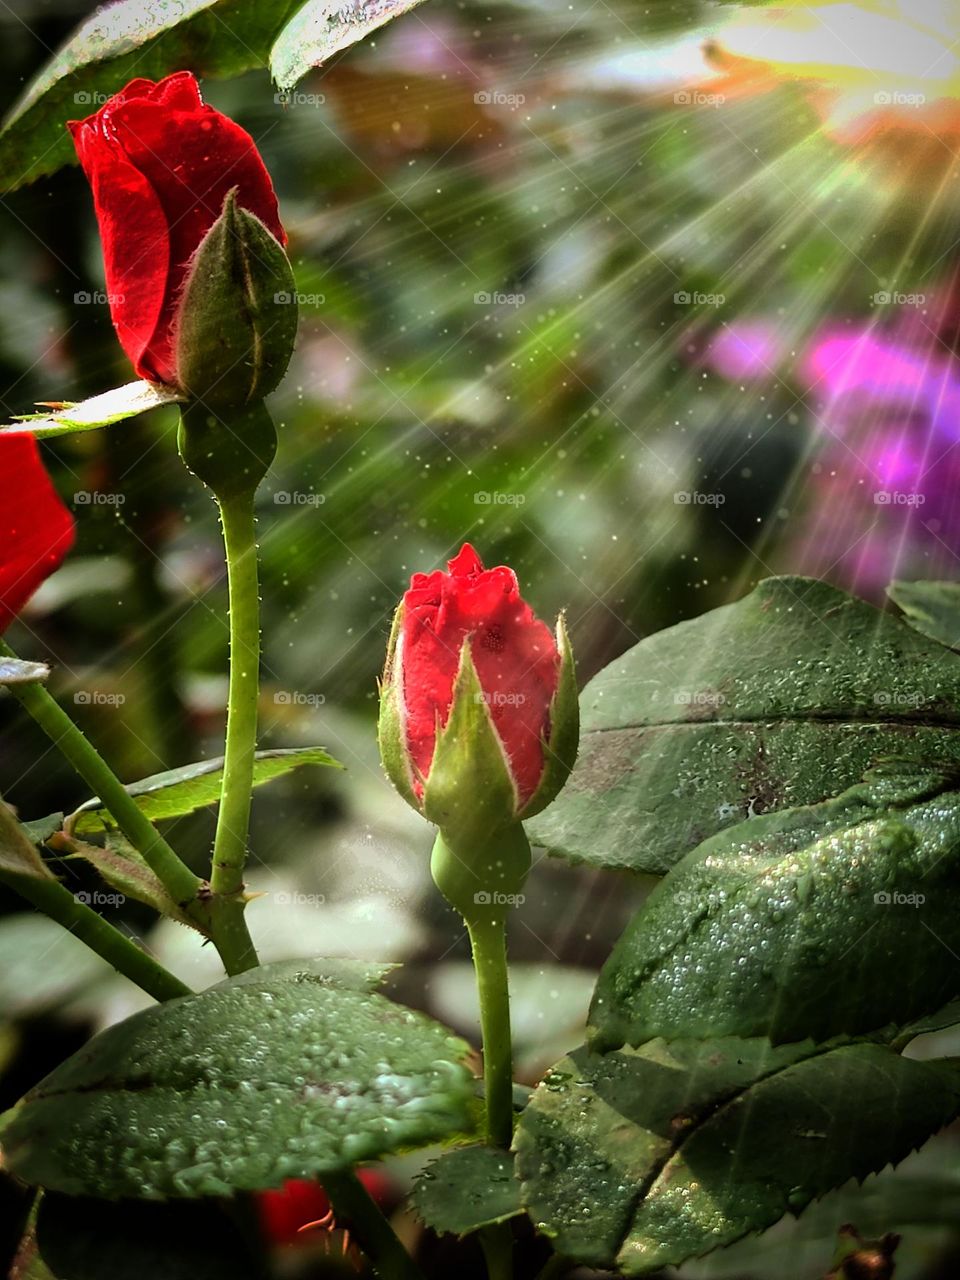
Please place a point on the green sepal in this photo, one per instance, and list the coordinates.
(230, 450)
(390, 727)
(470, 790)
(237, 320)
(560, 748)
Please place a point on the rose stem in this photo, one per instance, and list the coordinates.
(176, 877)
(353, 1204)
(488, 938)
(56, 901)
(233, 821)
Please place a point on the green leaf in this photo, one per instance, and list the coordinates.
(181, 791)
(467, 1188)
(119, 41)
(41, 829)
(932, 607)
(835, 919)
(126, 871)
(347, 974)
(652, 1156)
(18, 853)
(99, 411)
(324, 27)
(785, 698)
(238, 1089)
(16, 671)
(42, 966)
(83, 1239)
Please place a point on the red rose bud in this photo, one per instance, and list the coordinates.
(36, 529)
(162, 165)
(479, 716)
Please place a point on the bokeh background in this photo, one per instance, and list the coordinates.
(648, 299)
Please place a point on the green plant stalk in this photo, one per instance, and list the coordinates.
(233, 821)
(488, 939)
(497, 1245)
(176, 877)
(353, 1205)
(57, 902)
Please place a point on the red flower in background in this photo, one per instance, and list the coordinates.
(300, 1203)
(515, 655)
(36, 529)
(161, 164)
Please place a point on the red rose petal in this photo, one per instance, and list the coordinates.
(515, 655)
(36, 529)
